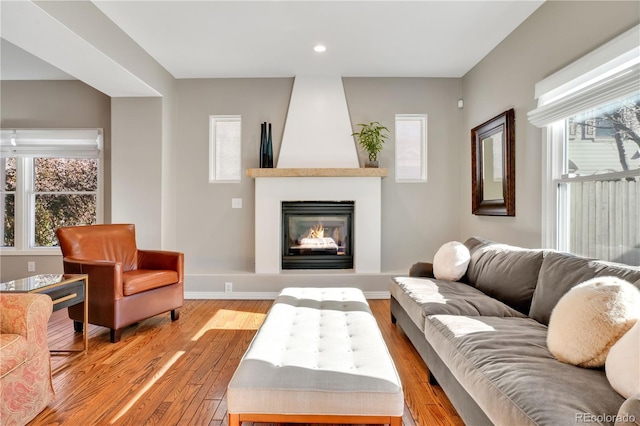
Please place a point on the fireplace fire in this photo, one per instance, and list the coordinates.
(317, 235)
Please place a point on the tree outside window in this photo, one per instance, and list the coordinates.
(606, 139)
(599, 193)
(65, 191)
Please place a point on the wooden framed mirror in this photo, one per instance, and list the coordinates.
(493, 158)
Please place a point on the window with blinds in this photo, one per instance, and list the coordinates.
(591, 113)
(411, 148)
(48, 178)
(225, 148)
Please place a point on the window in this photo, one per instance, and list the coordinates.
(8, 200)
(592, 151)
(411, 148)
(225, 148)
(50, 178)
(599, 189)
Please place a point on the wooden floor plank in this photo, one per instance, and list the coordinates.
(176, 373)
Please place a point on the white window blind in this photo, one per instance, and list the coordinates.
(77, 143)
(225, 148)
(610, 72)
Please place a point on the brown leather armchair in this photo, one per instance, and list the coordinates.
(126, 285)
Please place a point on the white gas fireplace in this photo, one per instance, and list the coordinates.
(271, 191)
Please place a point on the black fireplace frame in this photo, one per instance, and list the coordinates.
(317, 261)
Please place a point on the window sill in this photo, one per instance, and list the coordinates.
(54, 251)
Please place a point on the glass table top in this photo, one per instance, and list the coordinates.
(39, 281)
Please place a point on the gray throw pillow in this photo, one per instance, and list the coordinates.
(504, 272)
(560, 272)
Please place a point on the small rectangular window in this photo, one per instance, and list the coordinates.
(225, 148)
(411, 148)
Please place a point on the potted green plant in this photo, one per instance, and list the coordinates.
(371, 137)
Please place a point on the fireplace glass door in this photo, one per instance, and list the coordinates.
(317, 235)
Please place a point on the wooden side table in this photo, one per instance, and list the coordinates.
(64, 289)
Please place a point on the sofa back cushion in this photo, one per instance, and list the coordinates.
(562, 271)
(504, 272)
(113, 242)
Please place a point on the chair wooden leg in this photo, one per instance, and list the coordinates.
(114, 335)
(78, 326)
(175, 314)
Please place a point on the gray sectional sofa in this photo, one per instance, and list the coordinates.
(483, 339)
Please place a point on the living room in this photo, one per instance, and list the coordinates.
(155, 157)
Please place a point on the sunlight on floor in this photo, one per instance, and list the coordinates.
(147, 386)
(225, 319)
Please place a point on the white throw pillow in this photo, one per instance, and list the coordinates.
(451, 261)
(623, 363)
(590, 318)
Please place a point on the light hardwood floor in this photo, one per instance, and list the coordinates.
(176, 373)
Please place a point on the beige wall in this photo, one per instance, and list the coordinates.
(218, 241)
(213, 236)
(555, 35)
(53, 104)
(137, 167)
(416, 217)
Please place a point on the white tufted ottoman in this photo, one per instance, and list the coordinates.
(319, 357)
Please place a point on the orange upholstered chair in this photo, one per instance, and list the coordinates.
(126, 285)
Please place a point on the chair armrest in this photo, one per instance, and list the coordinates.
(422, 269)
(105, 277)
(26, 315)
(162, 259)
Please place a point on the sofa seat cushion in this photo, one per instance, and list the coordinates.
(421, 297)
(14, 351)
(140, 280)
(505, 366)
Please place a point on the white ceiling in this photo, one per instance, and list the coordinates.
(209, 39)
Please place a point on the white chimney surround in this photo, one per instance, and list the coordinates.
(318, 130)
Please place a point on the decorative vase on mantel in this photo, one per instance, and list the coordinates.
(269, 149)
(266, 146)
(371, 164)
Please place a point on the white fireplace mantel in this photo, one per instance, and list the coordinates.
(278, 185)
(317, 172)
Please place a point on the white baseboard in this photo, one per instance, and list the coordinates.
(248, 295)
(236, 295)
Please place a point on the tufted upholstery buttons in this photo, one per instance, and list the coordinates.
(311, 336)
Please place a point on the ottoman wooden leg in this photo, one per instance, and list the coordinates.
(234, 419)
(396, 421)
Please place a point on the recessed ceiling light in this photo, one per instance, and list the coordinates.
(319, 48)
